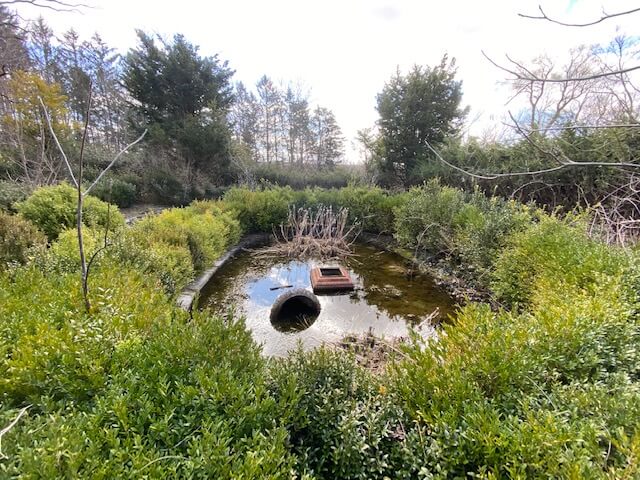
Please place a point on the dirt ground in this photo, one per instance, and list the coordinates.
(136, 212)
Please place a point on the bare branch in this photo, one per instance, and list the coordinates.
(10, 426)
(534, 144)
(83, 259)
(55, 137)
(115, 159)
(531, 77)
(55, 5)
(567, 164)
(577, 127)
(605, 16)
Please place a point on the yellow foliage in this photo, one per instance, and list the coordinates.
(25, 90)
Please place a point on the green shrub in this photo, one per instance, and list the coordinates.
(164, 188)
(50, 348)
(339, 419)
(299, 177)
(130, 389)
(260, 211)
(551, 249)
(116, 191)
(482, 229)
(18, 238)
(468, 230)
(426, 220)
(53, 209)
(372, 207)
(171, 247)
(521, 394)
(12, 193)
(178, 243)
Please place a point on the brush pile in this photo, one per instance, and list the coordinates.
(320, 233)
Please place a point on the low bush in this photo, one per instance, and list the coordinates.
(260, 210)
(469, 230)
(12, 193)
(18, 238)
(179, 242)
(340, 421)
(300, 177)
(531, 394)
(426, 220)
(551, 249)
(50, 348)
(372, 207)
(63, 255)
(53, 209)
(483, 227)
(163, 187)
(130, 389)
(116, 191)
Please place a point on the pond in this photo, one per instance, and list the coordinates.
(387, 299)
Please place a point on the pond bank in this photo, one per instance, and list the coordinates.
(443, 276)
(189, 295)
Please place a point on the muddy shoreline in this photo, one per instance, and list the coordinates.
(442, 274)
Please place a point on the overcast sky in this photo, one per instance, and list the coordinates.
(345, 50)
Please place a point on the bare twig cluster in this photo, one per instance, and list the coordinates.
(616, 219)
(323, 233)
(521, 72)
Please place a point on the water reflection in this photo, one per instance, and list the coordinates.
(386, 298)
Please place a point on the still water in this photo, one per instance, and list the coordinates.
(388, 298)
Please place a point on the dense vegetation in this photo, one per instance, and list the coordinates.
(540, 379)
(207, 131)
(545, 386)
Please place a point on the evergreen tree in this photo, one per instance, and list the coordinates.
(42, 52)
(75, 80)
(108, 104)
(417, 109)
(182, 98)
(268, 102)
(297, 108)
(13, 51)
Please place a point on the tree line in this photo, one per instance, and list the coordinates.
(570, 137)
(201, 123)
(277, 124)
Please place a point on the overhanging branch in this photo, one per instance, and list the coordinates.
(493, 176)
(56, 5)
(605, 16)
(531, 77)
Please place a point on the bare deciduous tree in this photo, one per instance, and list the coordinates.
(595, 90)
(84, 266)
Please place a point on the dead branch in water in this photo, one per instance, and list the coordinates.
(320, 233)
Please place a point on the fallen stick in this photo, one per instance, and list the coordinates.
(280, 286)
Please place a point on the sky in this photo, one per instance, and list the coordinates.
(344, 51)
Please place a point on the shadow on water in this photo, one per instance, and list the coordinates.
(387, 299)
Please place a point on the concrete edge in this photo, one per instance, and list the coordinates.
(188, 297)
